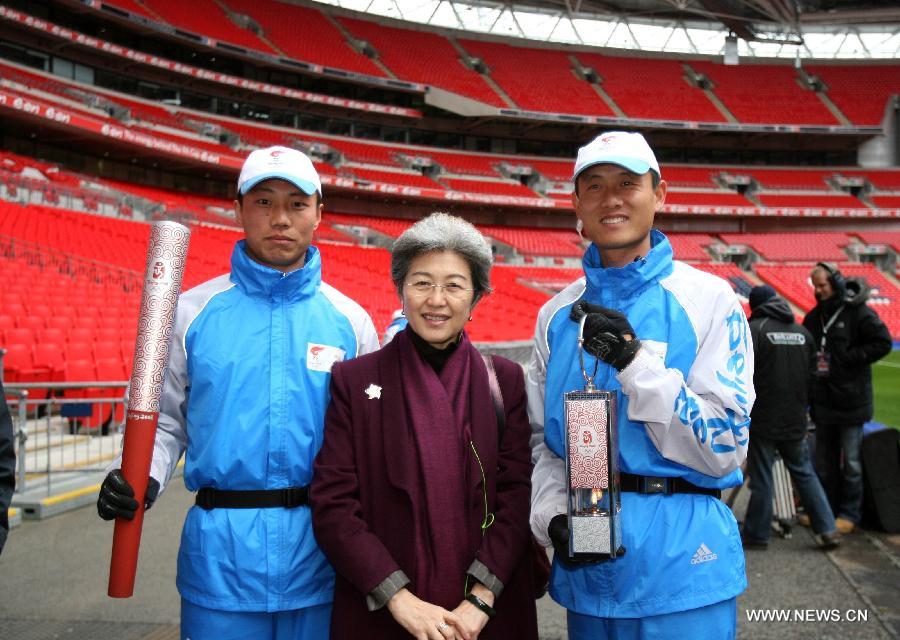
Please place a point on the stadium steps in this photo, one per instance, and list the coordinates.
(487, 76)
(150, 11)
(891, 278)
(754, 198)
(500, 92)
(833, 108)
(725, 111)
(351, 39)
(596, 86)
(806, 81)
(608, 100)
(720, 106)
(259, 32)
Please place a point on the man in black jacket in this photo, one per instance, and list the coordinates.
(7, 466)
(784, 357)
(849, 337)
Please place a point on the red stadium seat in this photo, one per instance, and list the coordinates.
(49, 357)
(35, 324)
(19, 366)
(19, 335)
(12, 296)
(111, 334)
(81, 335)
(79, 351)
(85, 322)
(109, 322)
(18, 363)
(52, 336)
(78, 370)
(15, 309)
(40, 310)
(110, 369)
(107, 350)
(59, 322)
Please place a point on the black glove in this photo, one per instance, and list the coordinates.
(117, 496)
(558, 530)
(604, 334)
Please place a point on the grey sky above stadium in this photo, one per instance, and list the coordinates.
(800, 29)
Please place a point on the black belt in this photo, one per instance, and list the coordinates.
(667, 486)
(209, 498)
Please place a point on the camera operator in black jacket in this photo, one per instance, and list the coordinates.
(849, 337)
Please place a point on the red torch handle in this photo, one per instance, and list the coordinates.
(140, 432)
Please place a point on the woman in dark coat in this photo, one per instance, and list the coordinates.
(420, 497)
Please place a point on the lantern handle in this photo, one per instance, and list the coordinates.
(588, 379)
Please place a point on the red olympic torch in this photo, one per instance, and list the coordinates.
(166, 256)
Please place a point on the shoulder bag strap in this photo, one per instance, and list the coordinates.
(496, 394)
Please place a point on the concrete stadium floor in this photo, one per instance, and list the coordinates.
(53, 576)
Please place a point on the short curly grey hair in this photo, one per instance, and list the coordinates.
(443, 232)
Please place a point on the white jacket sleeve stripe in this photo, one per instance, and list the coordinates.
(702, 423)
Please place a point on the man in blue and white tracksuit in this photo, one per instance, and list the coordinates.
(244, 398)
(673, 344)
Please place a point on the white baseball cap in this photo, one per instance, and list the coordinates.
(626, 149)
(282, 163)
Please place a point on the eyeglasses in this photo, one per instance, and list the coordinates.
(423, 288)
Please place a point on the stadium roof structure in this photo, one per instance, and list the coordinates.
(799, 29)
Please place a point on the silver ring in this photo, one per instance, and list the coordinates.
(442, 626)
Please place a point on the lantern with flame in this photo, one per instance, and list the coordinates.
(592, 464)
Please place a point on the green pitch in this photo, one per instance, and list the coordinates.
(886, 381)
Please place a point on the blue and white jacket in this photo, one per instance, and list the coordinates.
(245, 396)
(683, 411)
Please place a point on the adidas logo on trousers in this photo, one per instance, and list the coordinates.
(703, 554)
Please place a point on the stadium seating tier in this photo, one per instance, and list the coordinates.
(765, 94)
(404, 52)
(795, 247)
(304, 33)
(861, 92)
(556, 89)
(206, 17)
(134, 7)
(651, 89)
